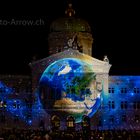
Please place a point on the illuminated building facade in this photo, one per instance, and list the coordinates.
(121, 106)
(72, 83)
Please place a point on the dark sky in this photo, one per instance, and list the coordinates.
(115, 28)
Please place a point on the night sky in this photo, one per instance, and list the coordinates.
(115, 28)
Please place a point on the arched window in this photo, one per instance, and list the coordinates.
(70, 122)
(85, 122)
(55, 121)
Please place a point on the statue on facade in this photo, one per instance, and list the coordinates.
(70, 11)
(106, 59)
(72, 42)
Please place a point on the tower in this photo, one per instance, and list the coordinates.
(70, 32)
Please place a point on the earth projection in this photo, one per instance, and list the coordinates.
(68, 87)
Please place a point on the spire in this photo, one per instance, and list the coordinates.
(70, 11)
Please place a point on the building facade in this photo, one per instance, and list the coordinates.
(70, 83)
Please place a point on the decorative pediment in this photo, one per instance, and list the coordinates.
(98, 65)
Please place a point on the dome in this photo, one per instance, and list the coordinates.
(70, 24)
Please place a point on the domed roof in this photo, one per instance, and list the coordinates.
(70, 23)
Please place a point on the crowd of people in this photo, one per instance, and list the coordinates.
(30, 134)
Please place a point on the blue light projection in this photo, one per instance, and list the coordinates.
(119, 109)
(13, 104)
(122, 104)
(17, 105)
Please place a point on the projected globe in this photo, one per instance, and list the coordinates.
(68, 87)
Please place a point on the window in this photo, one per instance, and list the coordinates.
(124, 118)
(85, 121)
(111, 104)
(111, 118)
(55, 121)
(136, 105)
(124, 104)
(16, 118)
(70, 124)
(70, 121)
(123, 90)
(111, 90)
(136, 90)
(137, 118)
